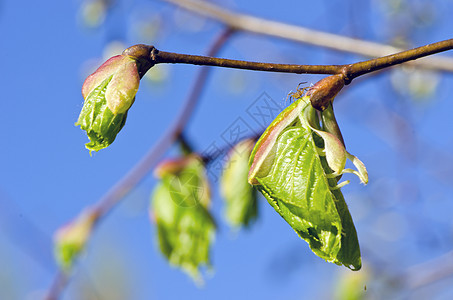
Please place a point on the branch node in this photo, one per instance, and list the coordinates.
(346, 72)
(325, 90)
(141, 53)
(153, 55)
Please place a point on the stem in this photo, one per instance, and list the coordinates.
(376, 64)
(349, 72)
(143, 167)
(175, 58)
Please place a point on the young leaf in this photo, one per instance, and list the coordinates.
(329, 123)
(240, 197)
(334, 151)
(294, 174)
(98, 121)
(185, 228)
(262, 156)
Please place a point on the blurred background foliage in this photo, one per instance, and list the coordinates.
(397, 121)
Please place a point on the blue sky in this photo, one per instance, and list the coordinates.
(402, 217)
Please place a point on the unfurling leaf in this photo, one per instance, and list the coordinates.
(98, 121)
(334, 151)
(296, 165)
(180, 202)
(109, 93)
(240, 197)
(70, 239)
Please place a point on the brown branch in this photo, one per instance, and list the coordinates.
(145, 165)
(153, 56)
(304, 35)
(376, 64)
(169, 57)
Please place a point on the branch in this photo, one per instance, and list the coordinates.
(153, 56)
(376, 64)
(144, 166)
(158, 57)
(304, 35)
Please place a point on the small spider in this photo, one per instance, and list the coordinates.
(298, 94)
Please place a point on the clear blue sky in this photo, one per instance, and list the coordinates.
(403, 217)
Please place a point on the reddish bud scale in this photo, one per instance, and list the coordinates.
(142, 54)
(325, 91)
(174, 166)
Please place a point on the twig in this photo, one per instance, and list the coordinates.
(376, 64)
(144, 166)
(153, 56)
(159, 57)
(304, 35)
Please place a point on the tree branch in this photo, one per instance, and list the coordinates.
(153, 56)
(168, 57)
(364, 67)
(304, 35)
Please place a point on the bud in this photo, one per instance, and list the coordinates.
(174, 166)
(325, 90)
(109, 93)
(70, 239)
(123, 85)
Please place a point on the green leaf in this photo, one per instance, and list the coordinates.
(290, 167)
(185, 228)
(334, 151)
(241, 205)
(109, 93)
(97, 119)
(262, 155)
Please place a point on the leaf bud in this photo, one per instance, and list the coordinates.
(70, 239)
(109, 93)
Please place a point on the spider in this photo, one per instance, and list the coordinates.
(299, 92)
